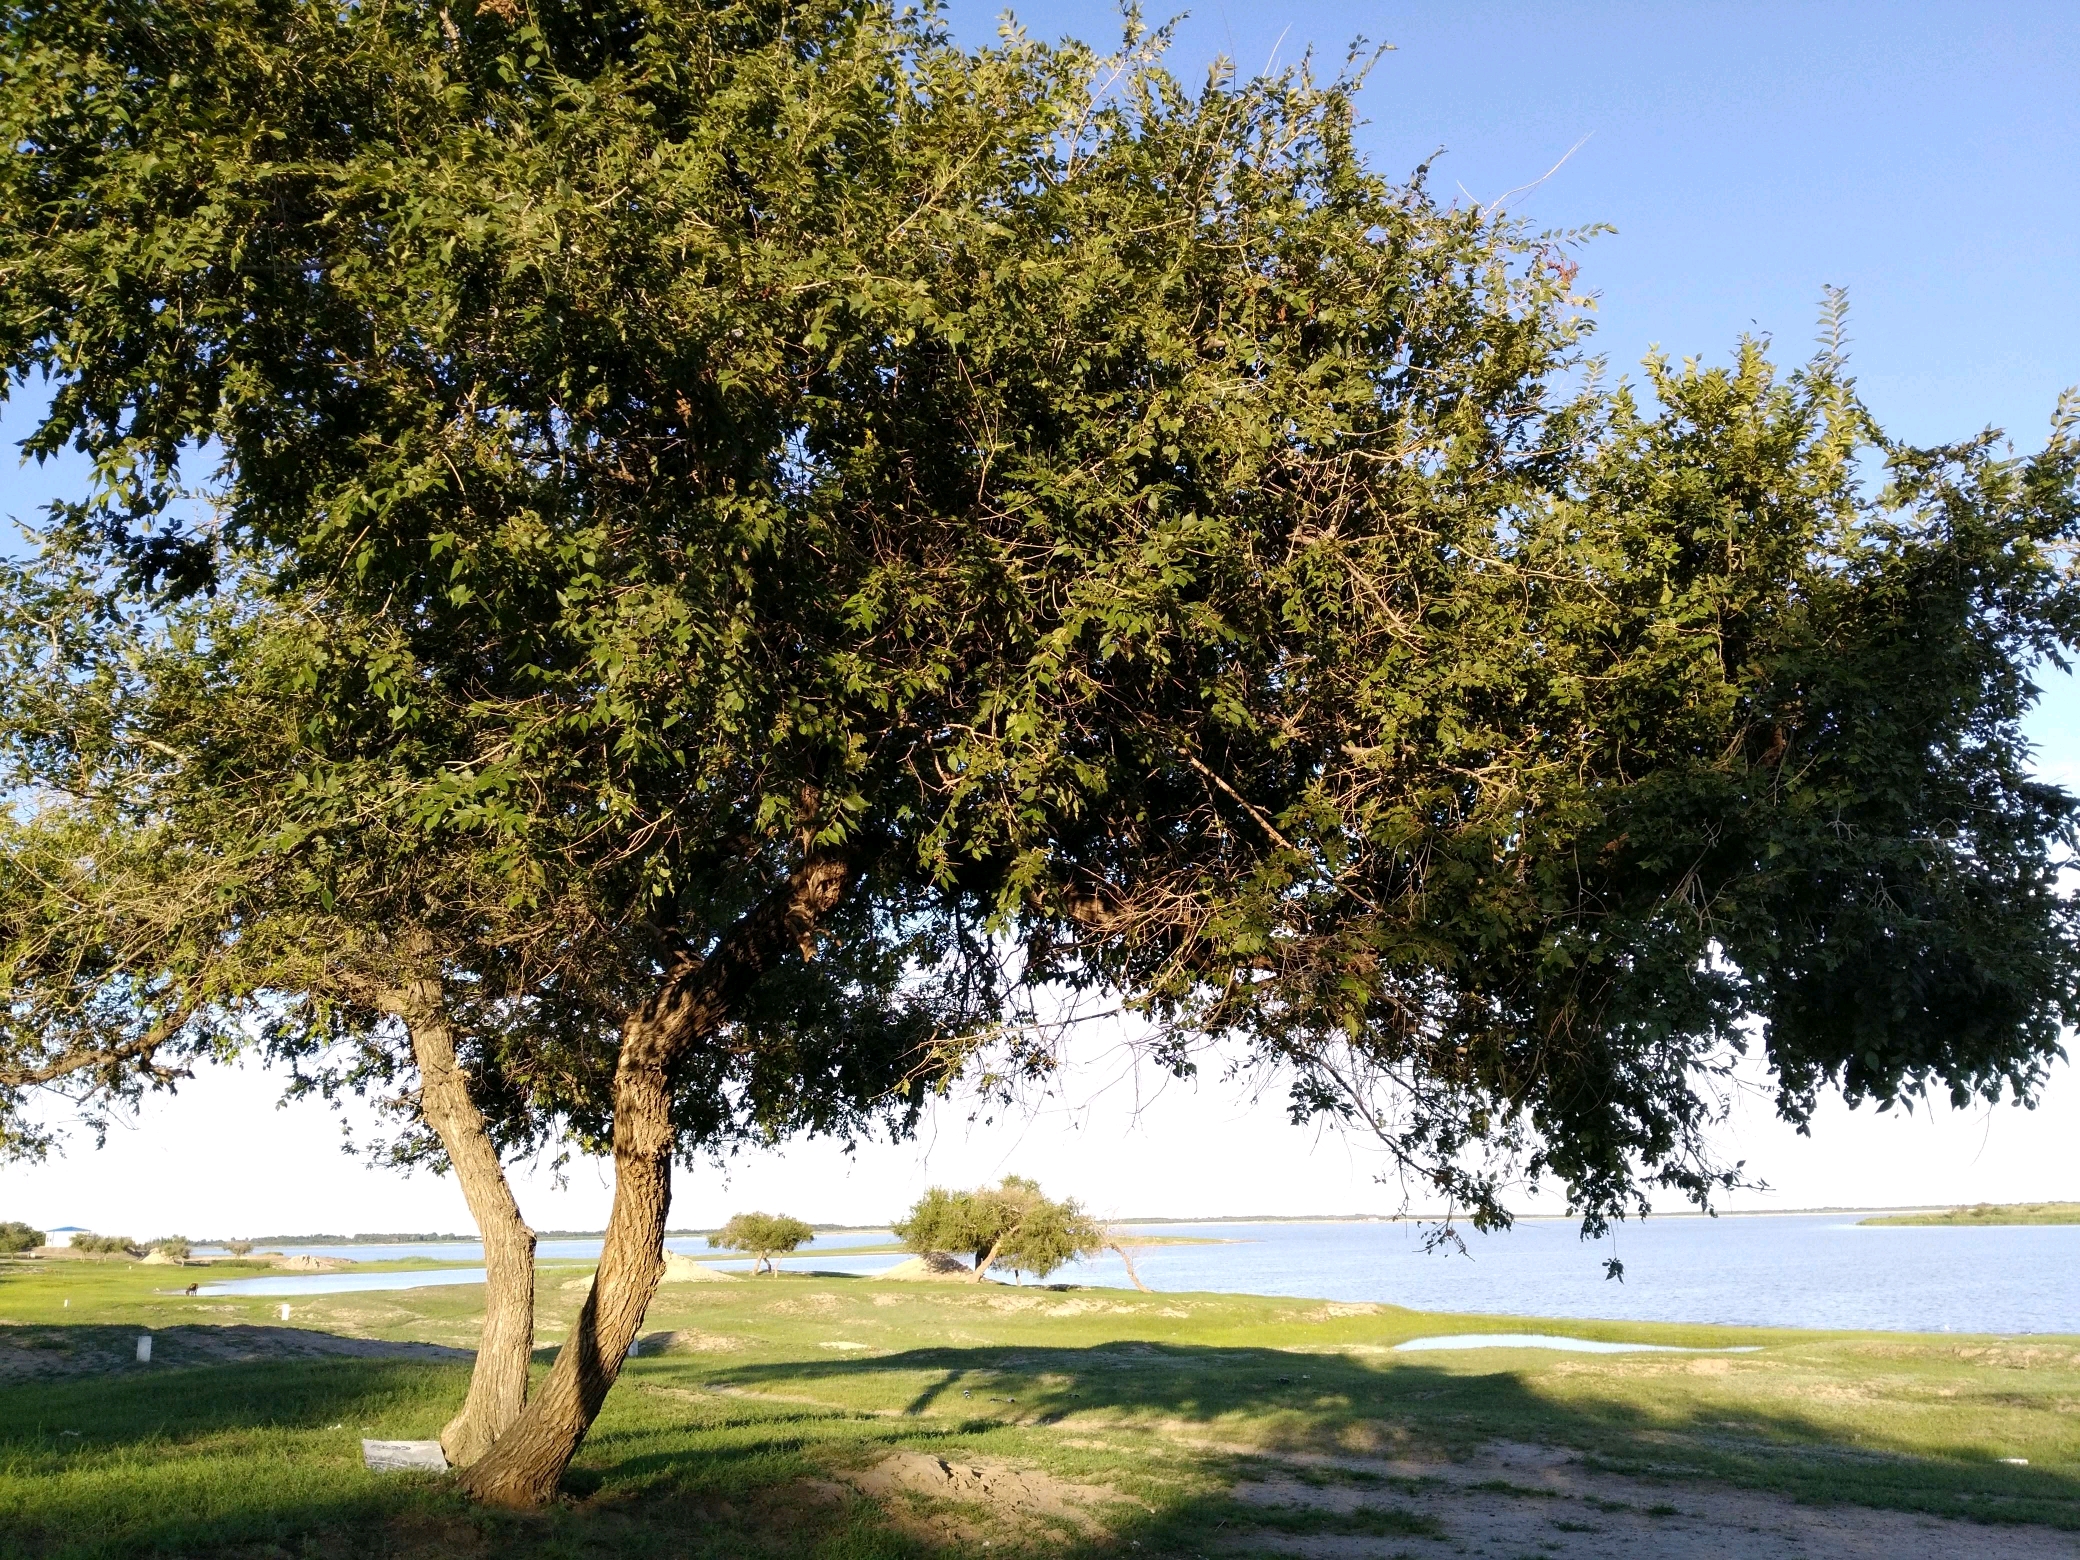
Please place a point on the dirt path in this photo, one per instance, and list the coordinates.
(1535, 1501)
(29, 1353)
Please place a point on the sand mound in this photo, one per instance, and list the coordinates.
(302, 1263)
(162, 1259)
(934, 1266)
(680, 1268)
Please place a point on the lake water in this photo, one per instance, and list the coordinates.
(1771, 1270)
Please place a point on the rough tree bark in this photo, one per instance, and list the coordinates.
(498, 1384)
(696, 1002)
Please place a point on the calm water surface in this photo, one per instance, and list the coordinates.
(1773, 1270)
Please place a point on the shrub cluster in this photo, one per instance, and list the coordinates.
(111, 1245)
(16, 1236)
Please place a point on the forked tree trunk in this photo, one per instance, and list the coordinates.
(523, 1469)
(498, 1383)
(528, 1462)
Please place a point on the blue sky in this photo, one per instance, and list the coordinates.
(1923, 156)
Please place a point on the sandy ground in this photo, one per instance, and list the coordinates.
(1541, 1502)
(1023, 1499)
(44, 1353)
(1511, 1503)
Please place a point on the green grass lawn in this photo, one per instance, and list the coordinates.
(1989, 1213)
(755, 1401)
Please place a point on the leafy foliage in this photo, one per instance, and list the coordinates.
(1011, 1223)
(764, 1235)
(107, 1245)
(17, 1236)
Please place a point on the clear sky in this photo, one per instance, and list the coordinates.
(1747, 154)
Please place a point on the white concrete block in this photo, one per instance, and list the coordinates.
(404, 1456)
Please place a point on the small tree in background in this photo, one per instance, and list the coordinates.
(1012, 1222)
(238, 1248)
(1049, 1235)
(178, 1247)
(764, 1235)
(16, 1236)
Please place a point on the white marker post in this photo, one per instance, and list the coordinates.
(285, 1313)
(144, 1349)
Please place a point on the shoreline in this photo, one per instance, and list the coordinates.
(1137, 1222)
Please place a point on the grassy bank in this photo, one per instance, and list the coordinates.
(1988, 1213)
(761, 1414)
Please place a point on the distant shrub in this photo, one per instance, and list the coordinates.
(178, 1247)
(112, 1245)
(238, 1248)
(15, 1236)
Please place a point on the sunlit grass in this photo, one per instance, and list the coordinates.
(751, 1393)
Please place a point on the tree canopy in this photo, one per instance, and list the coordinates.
(764, 1235)
(713, 559)
(1011, 1224)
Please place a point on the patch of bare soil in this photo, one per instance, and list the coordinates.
(45, 1353)
(1525, 1500)
(805, 1305)
(689, 1340)
(967, 1500)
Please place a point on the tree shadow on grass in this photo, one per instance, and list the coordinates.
(696, 1459)
(1276, 1400)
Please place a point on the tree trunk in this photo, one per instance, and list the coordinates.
(1121, 1251)
(982, 1263)
(528, 1462)
(524, 1468)
(498, 1383)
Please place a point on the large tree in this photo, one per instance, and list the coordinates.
(890, 530)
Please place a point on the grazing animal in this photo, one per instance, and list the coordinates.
(192, 1288)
